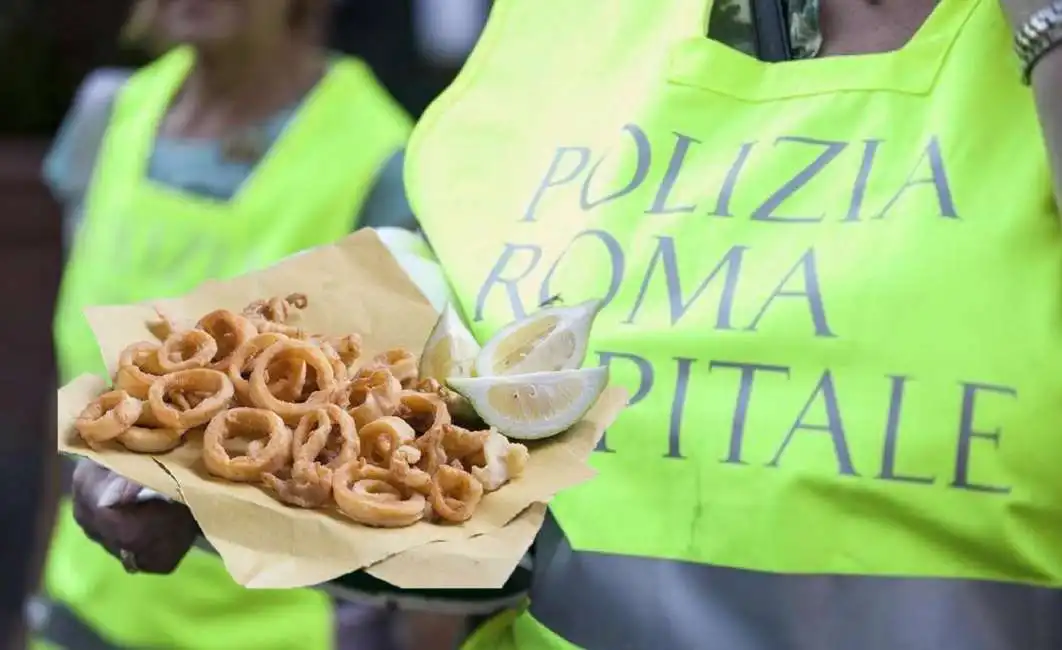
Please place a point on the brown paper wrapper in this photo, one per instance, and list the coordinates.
(354, 285)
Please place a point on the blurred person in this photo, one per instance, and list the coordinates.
(832, 278)
(246, 142)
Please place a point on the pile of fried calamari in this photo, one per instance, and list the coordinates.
(304, 416)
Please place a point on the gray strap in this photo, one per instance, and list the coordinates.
(57, 624)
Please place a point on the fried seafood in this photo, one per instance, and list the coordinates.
(304, 417)
(369, 495)
(422, 411)
(454, 494)
(461, 444)
(460, 409)
(347, 347)
(303, 485)
(189, 398)
(370, 395)
(251, 462)
(138, 368)
(242, 363)
(149, 436)
(286, 380)
(321, 386)
(381, 438)
(498, 461)
(108, 416)
(406, 473)
(276, 310)
(161, 327)
(401, 363)
(151, 440)
(186, 350)
(326, 436)
(339, 369)
(432, 451)
(229, 331)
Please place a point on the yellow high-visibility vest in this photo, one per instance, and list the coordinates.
(141, 241)
(834, 290)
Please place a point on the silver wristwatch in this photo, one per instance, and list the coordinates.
(1040, 34)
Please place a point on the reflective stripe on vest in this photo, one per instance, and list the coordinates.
(54, 623)
(833, 290)
(140, 241)
(683, 606)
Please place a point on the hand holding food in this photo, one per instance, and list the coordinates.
(152, 535)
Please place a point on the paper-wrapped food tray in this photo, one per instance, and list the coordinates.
(353, 286)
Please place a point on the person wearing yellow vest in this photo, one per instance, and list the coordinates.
(833, 285)
(245, 143)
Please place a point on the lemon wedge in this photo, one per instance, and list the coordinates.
(551, 339)
(451, 349)
(536, 405)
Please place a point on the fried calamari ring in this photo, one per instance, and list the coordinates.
(368, 495)
(161, 327)
(138, 368)
(454, 494)
(108, 416)
(461, 410)
(186, 350)
(324, 441)
(148, 436)
(381, 438)
(255, 424)
(230, 331)
(276, 310)
(348, 348)
(433, 452)
(461, 444)
(405, 472)
(287, 380)
(401, 363)
(271, 315)
(498, 462)
(242, 363)
(422, 411)
(339, 368)
(269, 327)
(304, 485)
(370, 395)
(206, 392)
(326, 436)
(146, 440)
(323, 381)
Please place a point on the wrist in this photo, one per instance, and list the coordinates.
(1037, 37)
(1048, 69)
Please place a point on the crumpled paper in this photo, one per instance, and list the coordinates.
(354, 285)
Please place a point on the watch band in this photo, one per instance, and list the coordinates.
(1040, 34)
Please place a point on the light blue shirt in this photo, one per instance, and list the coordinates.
(193, 165)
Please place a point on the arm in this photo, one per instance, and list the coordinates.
(1047, 88)
(1047, 84)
